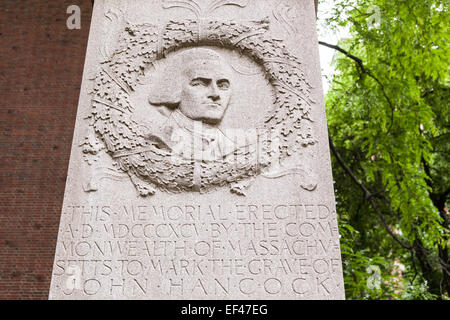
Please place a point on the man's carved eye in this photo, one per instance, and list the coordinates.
(223, 84)
(200, 82)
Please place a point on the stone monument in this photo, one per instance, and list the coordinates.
(200, 166)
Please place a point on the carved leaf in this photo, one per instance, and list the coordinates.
(220, 3)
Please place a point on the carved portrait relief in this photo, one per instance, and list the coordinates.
(185, 146)
(195, 91)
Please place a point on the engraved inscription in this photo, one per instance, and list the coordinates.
(179, 250)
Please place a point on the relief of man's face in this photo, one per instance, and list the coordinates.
(206, 90)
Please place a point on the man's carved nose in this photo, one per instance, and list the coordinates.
(214, 97)
(214, 93)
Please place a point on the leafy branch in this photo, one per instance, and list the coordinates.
(368, 195)
(364, 70)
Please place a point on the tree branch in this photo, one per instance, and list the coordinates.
(346, 53)
(360, 64)
(368, 195)
(427, 170)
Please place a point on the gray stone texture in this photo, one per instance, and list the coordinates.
(200, 166)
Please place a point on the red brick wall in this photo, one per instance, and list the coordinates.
(41, 64)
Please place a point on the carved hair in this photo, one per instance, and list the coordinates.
(167, 87)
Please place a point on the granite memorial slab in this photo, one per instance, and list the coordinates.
(200, 166)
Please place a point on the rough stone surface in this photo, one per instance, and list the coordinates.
(200, 165)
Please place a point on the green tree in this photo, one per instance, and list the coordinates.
(388, 117)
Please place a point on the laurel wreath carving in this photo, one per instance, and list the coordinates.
(150, 168)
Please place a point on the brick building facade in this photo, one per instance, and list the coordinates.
(41, 65)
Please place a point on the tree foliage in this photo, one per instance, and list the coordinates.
(388, 118)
